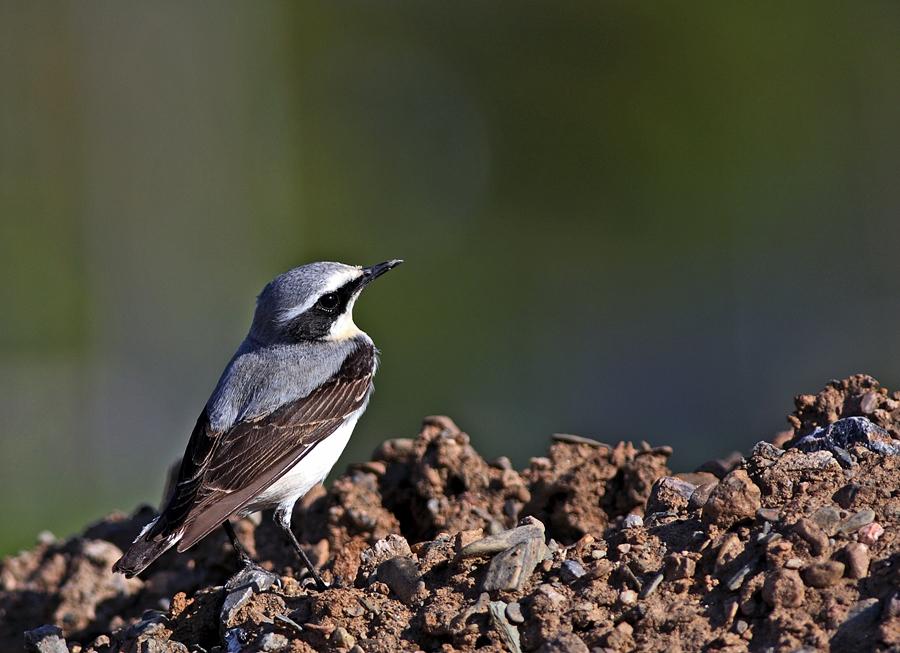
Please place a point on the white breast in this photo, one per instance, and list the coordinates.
(312, 469)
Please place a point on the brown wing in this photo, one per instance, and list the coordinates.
(223, 472)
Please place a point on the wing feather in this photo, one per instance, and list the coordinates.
(223, 472)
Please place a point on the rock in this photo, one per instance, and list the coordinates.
(678, 566)
(570, 571)
(856, 557)
(529, 529)
(823, 574)
(827, 517)
(46, 639)
(632, 521)
(511, 568)
(870, 533)
(392, 546)
(566, 643)
(508, 633)
(856, 521)
(669, 494)
(813, 534)
(402, 576)
(273, 642)
(734, 499)
(340, 638)
(700, 496)
(783, 588)
(514, 612)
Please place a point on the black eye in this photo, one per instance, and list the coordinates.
(328, 302)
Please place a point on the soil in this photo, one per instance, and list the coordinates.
(795, 547)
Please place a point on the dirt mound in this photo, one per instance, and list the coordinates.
(593, 547)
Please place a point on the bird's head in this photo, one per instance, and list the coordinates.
(312, 302)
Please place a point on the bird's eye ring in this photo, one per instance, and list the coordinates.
(329, 302)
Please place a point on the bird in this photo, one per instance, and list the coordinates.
(279, 417)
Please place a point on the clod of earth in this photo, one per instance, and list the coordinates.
(594, 547)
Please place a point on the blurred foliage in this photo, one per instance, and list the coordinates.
(626, 220)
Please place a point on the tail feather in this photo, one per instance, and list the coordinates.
(145, 550)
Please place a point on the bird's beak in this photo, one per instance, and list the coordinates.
(372, 273)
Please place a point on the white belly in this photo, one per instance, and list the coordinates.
(312, 469)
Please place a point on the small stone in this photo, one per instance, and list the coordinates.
(783, 588)
(46, 639)
(793, 563)
(514, 613)
(570, 571)
(650, 586)
(823, 574)
(402, 576)
(827, 517)
(624, 548)
(700, 496)
(813, 534)
(342, 639)
(565, 643)
(768, 514)
(734, 499)
(856, 556)
(870, 533)
(856, 521)
(868, 403)
(679, 566)
(632, 521)
(273, 642)
(628, 597)
(669, 494)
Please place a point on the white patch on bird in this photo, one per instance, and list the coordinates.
(344, 328)
(312, 469)
(145, 530)
(334, 282)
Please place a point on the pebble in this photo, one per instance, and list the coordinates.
(854, 522)
(768, 514)
(342, 639)
(508, 633)
(827, 517)
(783, 588)
(870, 533)
(651, 586)
(793, 563)
(528, 529)
(679, 566)
(669, 494)
(823, 574)
(856, 556)
(734, 499)
(735, 582)
(701, 495)
(514, 613)
(273, 642)
(628, 597)
(46, 639)
(402, 575)
(511, 568)
(565, 643)
(570, 571)
(632, 521)
(813, 534)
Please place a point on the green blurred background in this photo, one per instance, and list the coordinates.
(645, 221)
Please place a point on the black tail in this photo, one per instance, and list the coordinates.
(145, 550)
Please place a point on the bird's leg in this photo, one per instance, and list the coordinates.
(250, 572)
(283, 519)
(242, 553)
